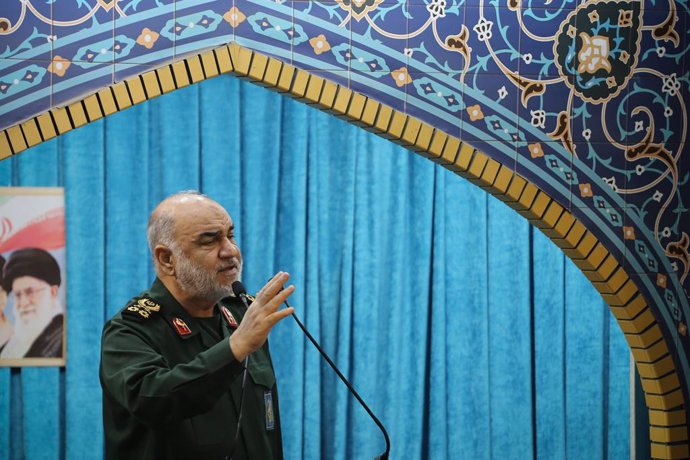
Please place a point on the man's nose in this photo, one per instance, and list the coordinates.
(229, 249)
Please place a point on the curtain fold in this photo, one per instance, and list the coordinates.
(466, 330)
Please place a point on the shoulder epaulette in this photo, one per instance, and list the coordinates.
(141, 308)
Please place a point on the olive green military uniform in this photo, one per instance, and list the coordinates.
(171, 385)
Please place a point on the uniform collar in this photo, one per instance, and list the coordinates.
(171, 309)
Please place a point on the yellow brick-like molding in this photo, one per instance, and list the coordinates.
(462, 159)
(614, 283)
(664, 402)
(287, 73)
(272, 75)
(651, 354)
(639, 323)
(424, 137)
(77, 114)
(396, 127)
(529, 194)
(537, 208)
(107, 99)
(223, 59)
(314, 89)
(179, 70)
(196, 71)
(594, 260)
(438, 142)
(208, 62)
(61, 120)
(515, 189)
(503, 178)
(151, 85)
(411, 132)
(328, 94)
(93, 108)
(656, 369)
(258, 67)
(122, 96)
(166, 79)
(46, 126)
(384, 118)
(342, 101)
(631, 309)
(664, 451)
(489, 174)
(664, 434)
(623, 295)
(604, 271)
(667, 418)
(136, 90)
(451, 148)
(560, 231)
(356, 107)
(5, 149)
(645, 339)
(241, 59)
(661, 386)
(16, 138)
(478, 162)
(371, 110)
(31, 133)
(551, 216)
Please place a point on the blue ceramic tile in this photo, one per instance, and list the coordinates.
(122, 71)
(655, 103)
(664, 46)
(197, 26)
(540, 164)
(339, 77)
(25, 90)
(430, 98)
(440, 43)
(544, 109)
(380, 86)
(595, 173)
(82, 81)
(504, 154)
(539, 29)
(267, 26)
(151, 29)
(494, 37)
(32, 37)
(84, 33)
(491, 110)
(324, 39)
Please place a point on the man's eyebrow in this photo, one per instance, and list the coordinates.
(209, 234)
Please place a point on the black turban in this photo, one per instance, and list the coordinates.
(31, 262)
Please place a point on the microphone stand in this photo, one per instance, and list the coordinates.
(383, 456)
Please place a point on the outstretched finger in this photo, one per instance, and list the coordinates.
(279, 298)
(275, 317)
(274, 284)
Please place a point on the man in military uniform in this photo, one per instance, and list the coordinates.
(172, 360)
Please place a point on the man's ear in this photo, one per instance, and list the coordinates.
(164, 259)
(54, 290)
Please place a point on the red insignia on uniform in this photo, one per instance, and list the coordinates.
(232, 322)
(181, 327)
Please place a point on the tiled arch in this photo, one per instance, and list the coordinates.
(656, 355)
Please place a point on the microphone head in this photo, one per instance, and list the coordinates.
(238, 288)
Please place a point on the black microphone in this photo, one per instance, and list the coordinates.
(383, 456)
(241, 292)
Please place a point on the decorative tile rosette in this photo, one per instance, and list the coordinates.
(597, 46)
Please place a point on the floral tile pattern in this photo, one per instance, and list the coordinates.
(585, 98)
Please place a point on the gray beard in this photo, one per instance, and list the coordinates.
(199, 282)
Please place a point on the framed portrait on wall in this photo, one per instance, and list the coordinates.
(32, 276)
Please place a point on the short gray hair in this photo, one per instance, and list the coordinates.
(161, 226)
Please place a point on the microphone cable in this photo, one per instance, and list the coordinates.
(240, 292)
(383, 456)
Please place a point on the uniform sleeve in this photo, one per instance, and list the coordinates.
(138, 377)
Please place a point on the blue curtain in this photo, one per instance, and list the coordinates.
(465, 329)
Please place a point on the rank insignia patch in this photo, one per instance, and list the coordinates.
(143, 308)
(232, 322)
(181, 327)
